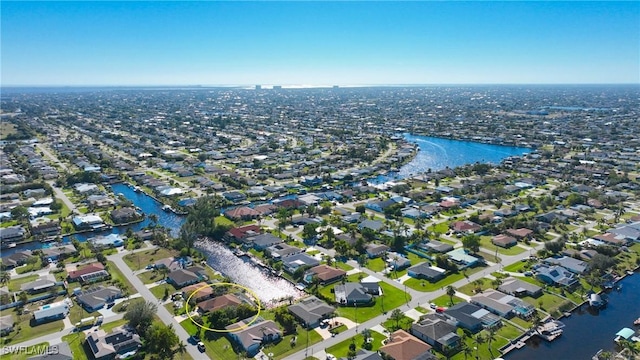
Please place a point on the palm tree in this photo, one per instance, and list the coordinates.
(490, 337)
(451, 291)
(630, 348)
(397, 315)
(478, 341)
(181, 349)
(5, 277)
(466, 351)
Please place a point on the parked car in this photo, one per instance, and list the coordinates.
(201, 346)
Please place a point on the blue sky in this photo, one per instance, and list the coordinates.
(319, 43)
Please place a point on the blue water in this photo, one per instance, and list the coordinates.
(588, 331)
(438, 153)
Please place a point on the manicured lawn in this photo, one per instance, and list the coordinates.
(445, 301)
(159, 291)
(14, 284)
(341, 350)
(122, 307)
(441, 228)
(222, 220)
(516, 266)
(469, 288)
(485, 242)
(116, 274)
(31, 351)
(376, 264)
(286, 346)
(149, 277)
(28, 330)
(30, 267)
(77, 313)
(424, 285)
(217, 346)
(392, 325)
(392, 298)
(112, 325)
(141, 259)
(501, 338)
(343, 266)
(550, 302)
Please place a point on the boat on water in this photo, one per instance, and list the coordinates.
(8, 246)
(629, 272)
(636, 322)
(550, 330)
(167, 208)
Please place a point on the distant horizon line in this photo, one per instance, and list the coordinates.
(303, 86)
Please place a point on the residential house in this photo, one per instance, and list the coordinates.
(111, 345)
(465, 227)
(471, 317)
(169, 263)
(424, 270)
(45, 227)
(61, 351)
(109, 241)
(555, 275)
(263, 241)
(574, 265)
(86, 222)
(517, 287)
(379, 205)
(437, 331)
(404, 346)
(435, 246)
(241, 233)
(375, 250)
(374, 225)
(86, 189)
(183, 277)
(325, 273)
(397, 261)
(504, 241)
(124, 215)
(96, 298)
(59, 251)
(12, 234)
(38, 286)
(16, 259)
(197, 292)
(89, 273)
(242, 213)
(52, 312)
(503, 304)
(291, 263)
(6, 324)
(310, 311)
(282, 250)
(520, 233)
(352, 294)
(218, 302)
(250, 335)
(363, 354)
(462, 258)
(371, 285)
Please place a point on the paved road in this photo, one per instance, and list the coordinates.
(163, 313)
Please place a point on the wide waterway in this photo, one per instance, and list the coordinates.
(588, 331)
(438, 153)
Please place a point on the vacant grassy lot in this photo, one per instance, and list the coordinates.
(341, 350)
(141, 259)
(424, 285)
(25, 329)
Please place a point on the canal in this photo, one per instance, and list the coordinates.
(588, 331)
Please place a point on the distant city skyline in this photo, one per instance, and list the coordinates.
(318, 43)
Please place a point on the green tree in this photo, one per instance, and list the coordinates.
(397, 315)
(19, 213)
(140, 315)
(161, 339)
(471, 243)
(451, 291)
(5, 277)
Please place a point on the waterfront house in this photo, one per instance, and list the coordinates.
(12, 234)
(241, 233)
(325, 273)
(217, 303)
(112, 345)
(183, 277)
(124, 215)
(282, 250)
(291, 263)
(58, 252)
(250, 338)
(263, 241)
(52, 312)
(504, 241)
(555, 275)
(89, 273)
(6, 324)
(437, 331)
(242, 213)
(88, 222)
(424, 270)
(403, 346)
(310, 311)
(96, 298)
(109, 241)
(352, 294)
(471, 317)
(16, 259)
(517, 287)
(86, 189)
(503, 304)
(574, 265)
(42, 227)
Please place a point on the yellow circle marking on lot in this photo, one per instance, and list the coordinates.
(186, 307)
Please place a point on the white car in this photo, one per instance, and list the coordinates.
(330, 357)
